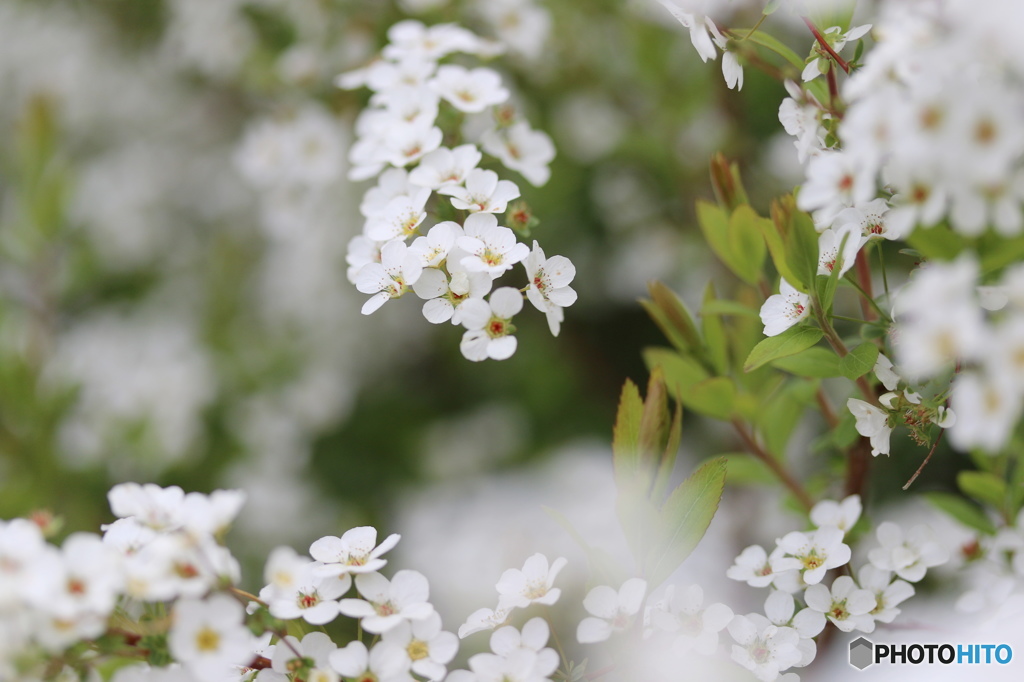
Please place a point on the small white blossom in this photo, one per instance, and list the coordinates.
(611, 611)
(533, 584)
(847, 606)
(812, 554)
(908, 556)
(783, 310)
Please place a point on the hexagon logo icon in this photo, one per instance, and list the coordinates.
(862, 653)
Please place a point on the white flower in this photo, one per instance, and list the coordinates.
(763, 648)
(398, 269)
(445, 298)
(427, 647)
(209, 637)
(780, 608)
(313, 597)
(434, 248)
(829, 255)
(872, 423)
(386, 662)
(507, 641)
(695, 627)
(470, 91)
(835, 180)
(812, 554)
(842, 515)
(549, 289)
(783, 310)
(159, 508)
(753, 567)
(21, 547)
(522, 149)
(388, 603)
(483, 619)
(534, 583)
(910, 557)
(399, 218)
(848, 607)
(483, 192)
(408, 143)
(614, 611)
(84, 577)
(888, 592)
(988, 405)
(354, 552)
(445, 166)
(489, 326)
(392, 183)
(315, 646)
(494, 251)
(869, 220)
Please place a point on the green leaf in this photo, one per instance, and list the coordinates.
(771, 7)
(996, 252)
(789, 342)
(626, 433)
(774, 45)
(746, 245)
(672, 317)
(654, 425)
(724, 307)
(639, 519)
(802, 251)
(984, 487)
(780, 415)
(962, 510)
(859, 361)
(714, 397)
(680, 372)
(815, 362)
(714, 332)
(745, 469)
(714, 224)
(684, 519)
(938, 242)
(668, 457)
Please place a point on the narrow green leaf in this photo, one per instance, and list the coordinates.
(724, 307)
(684, 519)
(639, 519)
(771, 7)
(654, 426)
(746, 245)
(816, 362)
(626, 433)
(859, 361)
(774, 45)
(714, 224)
(984, 487)
(668, 457)
(802, 251)
(963, 511)
(789, 342)
(680, 372)
(714, 332)
(673, 318)
(714, 397)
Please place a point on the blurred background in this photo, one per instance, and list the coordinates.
(173, 312)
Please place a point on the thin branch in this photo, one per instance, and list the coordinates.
(931, 452)
(864, 277)
(787, 478)
(826, 409)
(824, 44)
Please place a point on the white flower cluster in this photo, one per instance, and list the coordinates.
(163, 555)
(783, 637)
(451, 264)
(931, 115)
(947, 322)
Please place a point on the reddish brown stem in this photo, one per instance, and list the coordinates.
(864, 278)
(938, 439)
(825, 46)
(780, 472)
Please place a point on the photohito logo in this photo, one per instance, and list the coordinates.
(864, 653)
